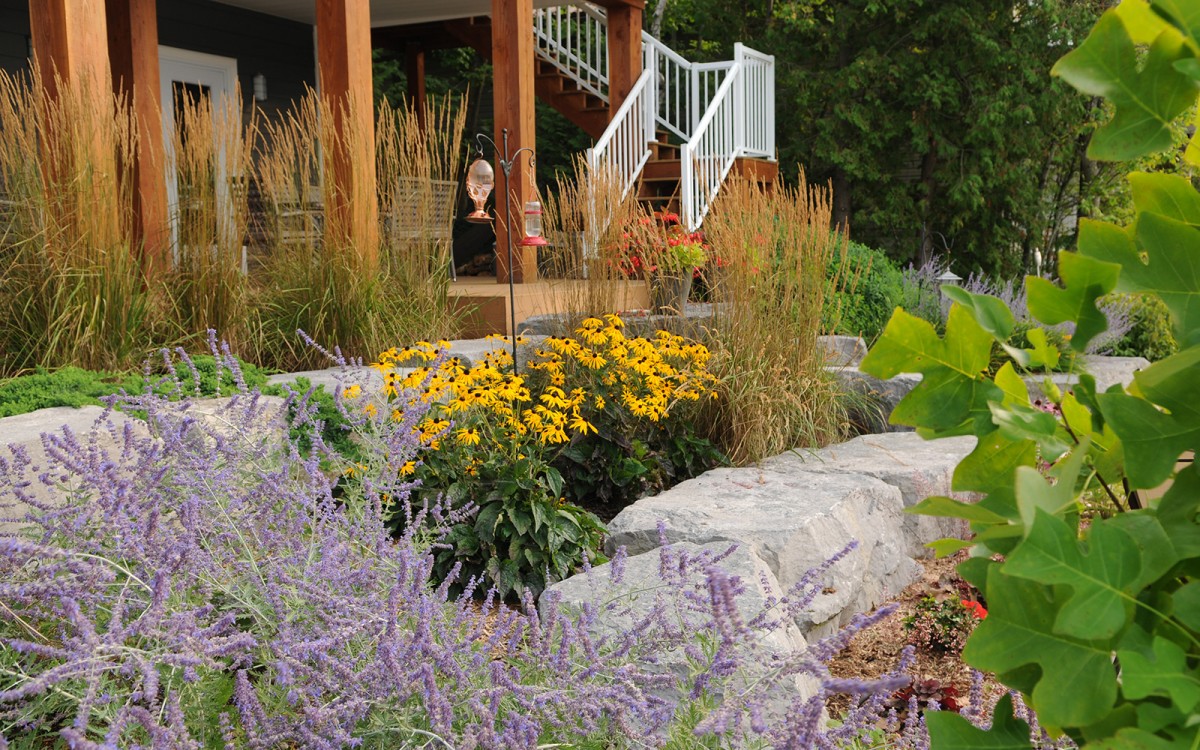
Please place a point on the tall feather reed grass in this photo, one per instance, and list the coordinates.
(211, 159)
(72, 288)
(318, 284)
(587, 219)
(774, 247)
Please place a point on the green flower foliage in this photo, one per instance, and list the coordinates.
(1093, 611)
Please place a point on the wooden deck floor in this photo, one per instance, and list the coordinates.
(485, 302)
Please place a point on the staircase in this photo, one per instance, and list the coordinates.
(683, 129)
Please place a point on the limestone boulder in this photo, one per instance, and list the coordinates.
(1108, 371)
(842, 351)
(628, 594)
(917, 467)
(880, 397)
(30, 436)
(794, 521)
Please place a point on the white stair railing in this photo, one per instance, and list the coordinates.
(721, 111)
(624, 148)
(574, 39)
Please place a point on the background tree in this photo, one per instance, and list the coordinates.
(937, 123)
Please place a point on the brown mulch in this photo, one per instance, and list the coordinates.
(876, 650)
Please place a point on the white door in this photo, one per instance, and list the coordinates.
(182, 74)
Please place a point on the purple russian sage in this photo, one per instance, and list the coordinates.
(193, 579)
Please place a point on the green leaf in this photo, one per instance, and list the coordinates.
(950, 508)
(949, 731)
(1184, 15)
(990, 468)
(989, 312)
(1172, 271)
(1033, 492)
(1102, 578)
(948, 546)
(1145, 98)
(1018, 422)
(1019, 631)
(1167, 195)
(1133, 738)
(1167, 674)
(1187, 605)
(1085, 280)
(1013, 386)
(1153, 438)
(1142, 23)
(1177, 512)
(952, 391)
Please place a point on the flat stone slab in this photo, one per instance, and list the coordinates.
(887, 394)
(640, 589)
(793, 521)
(1108, 371)
(367, 377)
(917, 467)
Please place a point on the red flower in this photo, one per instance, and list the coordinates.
(975, 607)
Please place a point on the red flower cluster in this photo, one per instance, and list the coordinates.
(975, 608)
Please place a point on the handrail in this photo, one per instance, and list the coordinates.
(573, 38)
(623, 149)
(706, 159)
(720, 110)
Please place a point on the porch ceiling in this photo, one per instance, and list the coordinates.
(384, 12)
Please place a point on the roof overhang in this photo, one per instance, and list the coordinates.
(384, 12)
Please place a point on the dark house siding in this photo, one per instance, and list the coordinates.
(280, 49)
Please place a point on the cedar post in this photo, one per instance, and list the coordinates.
(344, 57)
(624, 52)
(133, 54)
(513, 82)
(70, 42)
(414, 73)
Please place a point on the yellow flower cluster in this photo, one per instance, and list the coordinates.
(573, 381)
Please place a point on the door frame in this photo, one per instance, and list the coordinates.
(220, 75)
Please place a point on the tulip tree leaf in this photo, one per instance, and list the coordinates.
(952, 390)
(1019, 421)
(1101, 575)
(990, 469)
(1085, 280)
(989, 312)
(1166, 674)
(1184, 15)
(1177, 511)
(1019, 632)
(1153, 438)
(1106, 65)
(1171, 270)
(949, 731)
(1187, 604)
(1168, 195)
(1141, 23)
(1033, 492)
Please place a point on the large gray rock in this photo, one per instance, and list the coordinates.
(1108, 371)
(917, 467)
(368, 378)
(879, 397)
(28, 435)
(794, 522)
(640, 589)
(842, 351)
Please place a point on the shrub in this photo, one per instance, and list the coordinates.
(1149, 334)
(942, 627)
(598, 421)
(868, 286)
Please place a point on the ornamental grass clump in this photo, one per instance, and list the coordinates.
(593, 422)
(189, 582)
(778, 268)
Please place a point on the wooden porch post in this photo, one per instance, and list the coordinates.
(512, 65)
(70, 41)
(344, 58)
(133, 54)
(624, 51)
(414, 73)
